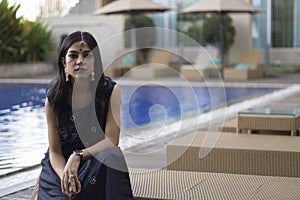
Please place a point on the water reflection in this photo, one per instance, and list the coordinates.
(23, 137)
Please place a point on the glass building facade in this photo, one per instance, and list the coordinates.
(277, 25)
(172, 20)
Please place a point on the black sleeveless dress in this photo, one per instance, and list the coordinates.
(105, 176)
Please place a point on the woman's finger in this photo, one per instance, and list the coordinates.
(78, 185)
(63, 185)
(72, 183)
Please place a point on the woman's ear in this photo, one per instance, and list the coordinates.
(63, 61)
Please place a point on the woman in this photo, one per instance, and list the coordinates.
(83, 116)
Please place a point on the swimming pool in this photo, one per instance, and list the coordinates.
(23, 131)
(148, 103)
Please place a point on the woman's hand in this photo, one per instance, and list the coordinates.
(70, 184)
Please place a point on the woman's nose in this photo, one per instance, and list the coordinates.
(79, 60)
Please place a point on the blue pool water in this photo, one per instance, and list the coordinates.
(23, 130)
(176, 100)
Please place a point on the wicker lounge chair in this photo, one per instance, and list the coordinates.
(266, 119)
(267, 155)
(203, 66)
(248, 59)
(170, 184)
(124, 61)
(158, 66)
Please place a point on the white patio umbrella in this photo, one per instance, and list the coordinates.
(131, 7)
(221, 7)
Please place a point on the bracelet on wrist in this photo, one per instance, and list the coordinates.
(79, 153)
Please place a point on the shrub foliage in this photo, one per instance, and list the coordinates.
(22, 40)
(144, 38)
(211, 28)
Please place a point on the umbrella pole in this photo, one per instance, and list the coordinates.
(133, 38)
(221, 35)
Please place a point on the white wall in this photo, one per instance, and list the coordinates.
(106, 29)
(242, 39)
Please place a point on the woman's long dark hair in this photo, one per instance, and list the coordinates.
(60, 89)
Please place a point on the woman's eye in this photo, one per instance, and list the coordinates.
(72, 56)
(87, 55)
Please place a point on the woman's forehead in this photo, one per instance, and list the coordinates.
(79, 46)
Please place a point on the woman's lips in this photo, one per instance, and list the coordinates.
(80, 69)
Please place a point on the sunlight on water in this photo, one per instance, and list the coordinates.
(23, 138)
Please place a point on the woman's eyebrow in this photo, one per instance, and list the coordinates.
(75, 51)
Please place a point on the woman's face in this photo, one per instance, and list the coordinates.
(79, 61)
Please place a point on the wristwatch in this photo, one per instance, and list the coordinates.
(79, 153)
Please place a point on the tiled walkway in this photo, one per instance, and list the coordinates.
(20, 195)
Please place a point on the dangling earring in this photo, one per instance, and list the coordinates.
(67, 75)
(92, 76)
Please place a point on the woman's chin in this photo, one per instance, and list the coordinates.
(82, 76)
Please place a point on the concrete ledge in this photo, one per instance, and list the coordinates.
(19, 180)
(19, 70)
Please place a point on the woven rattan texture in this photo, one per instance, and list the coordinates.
(169, 184)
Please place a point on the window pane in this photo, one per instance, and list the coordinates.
(259, 26)
(285, 21)
(282, 23)
(296, 23)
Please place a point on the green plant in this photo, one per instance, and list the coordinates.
(37, 41)
(144, 37)
(192, 26)
(22, 40)
(10, 33)
(211, 29)
(196, 33)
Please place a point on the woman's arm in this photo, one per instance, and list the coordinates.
(112, 128)
(58, 162)
(112, 133)
(57, 159)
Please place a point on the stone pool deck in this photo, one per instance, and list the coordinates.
(135, 161)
